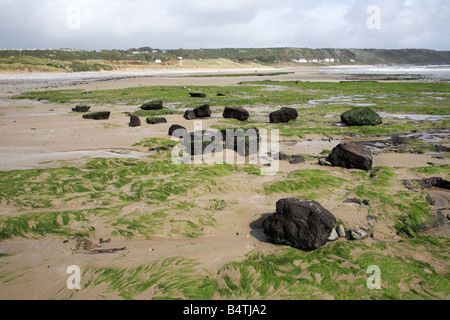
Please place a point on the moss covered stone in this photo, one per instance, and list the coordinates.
(361, 117)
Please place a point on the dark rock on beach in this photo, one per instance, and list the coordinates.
(284, 115)
(135, 121)
(351, 156)
(302, 224)
(81, 109)
(153, 105)
(197, 95)
(361, 116)
(236, 113)
(189, 115)
(156, 120)
(175, 129)
(203, 111)
(101, 115)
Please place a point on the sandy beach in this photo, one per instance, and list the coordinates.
(42, 135)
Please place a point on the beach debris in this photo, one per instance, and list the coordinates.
(302, 224)
(153, 105)
(81, 108)
(351, 156)
(283, 115)
(358, 234)
(238, 113)
(135, 121)
(361, 116)
(84, 244)
(101, 115)
(101, 251)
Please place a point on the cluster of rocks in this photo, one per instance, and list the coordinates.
(99, 115)
(306, 225)
(244, 141)
(203, 111)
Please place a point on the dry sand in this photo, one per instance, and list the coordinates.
(40, 135)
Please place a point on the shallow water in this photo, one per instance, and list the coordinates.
(415, 117)
(430, 72)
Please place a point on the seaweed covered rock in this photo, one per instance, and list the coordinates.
(284, 115)
(302, 224)
(236, 113)
(101, 115)
(156, 120)
(153, 105)
(351, 156)
(361, 116)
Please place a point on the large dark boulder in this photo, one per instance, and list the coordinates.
(81, 109)
(236, 113)
(361, 116)
(351, 156)
(101, 115)
(135, 121)
(284, 115)
(302, 224)
(153, 105)
(203, 111)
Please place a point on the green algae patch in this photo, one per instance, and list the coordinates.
(49, 201)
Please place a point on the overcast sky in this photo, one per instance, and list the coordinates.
(171, 24)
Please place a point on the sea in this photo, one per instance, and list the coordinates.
(426, 72)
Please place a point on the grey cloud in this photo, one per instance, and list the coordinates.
(232, 23)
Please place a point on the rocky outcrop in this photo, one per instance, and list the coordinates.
(284, 115)
(101, 115)
(236, 113)
(135, 121)
(153, 105)
(361, 116)
(302, 224)
(351, 156)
